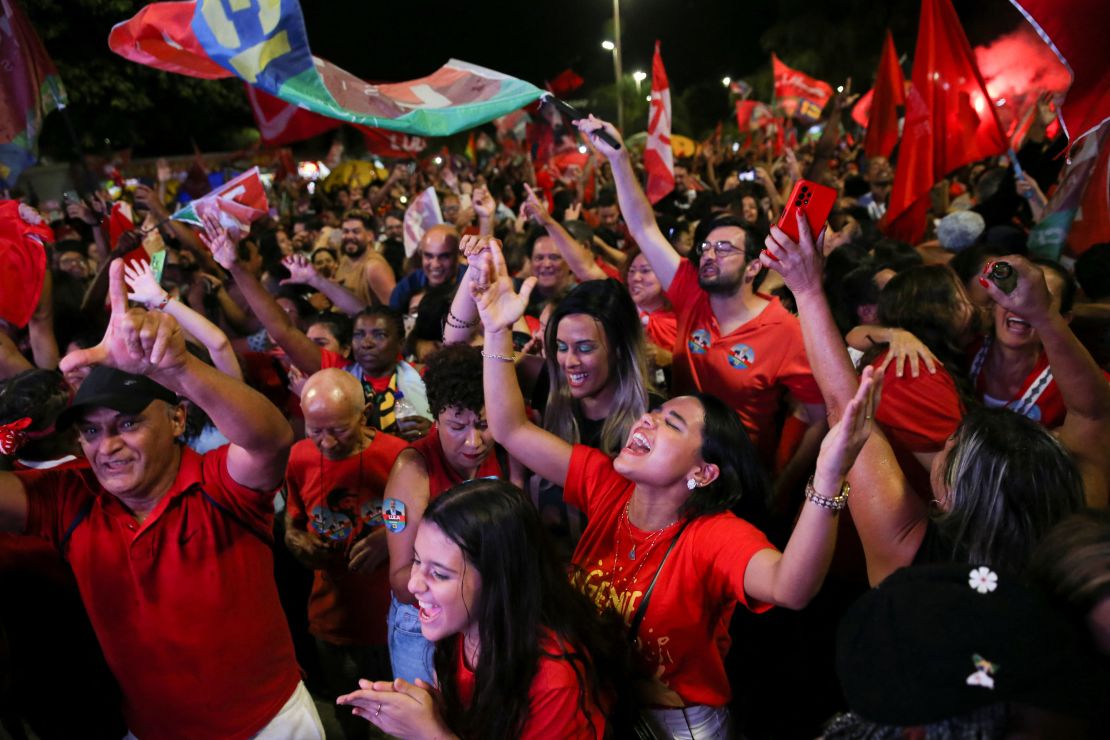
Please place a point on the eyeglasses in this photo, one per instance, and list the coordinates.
(722, 249)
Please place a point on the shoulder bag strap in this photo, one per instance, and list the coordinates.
(641, 609)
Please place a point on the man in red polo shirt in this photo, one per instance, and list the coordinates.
(740, 345)
(171, 550)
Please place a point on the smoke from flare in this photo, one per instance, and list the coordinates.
(1020, 64)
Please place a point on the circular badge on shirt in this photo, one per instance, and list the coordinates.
(741, 356)
(699, 342)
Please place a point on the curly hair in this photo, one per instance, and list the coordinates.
(41, 395)
(453, 377)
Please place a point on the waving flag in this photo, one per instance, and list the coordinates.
(950, 119)
(798, 93)
(1072, 30)
(422, 214)
(22, 263)
(264, 43)
(29, 89)
(237, 203)
(658, 156)
(889, 96)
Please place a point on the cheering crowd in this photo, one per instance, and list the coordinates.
(517, 482)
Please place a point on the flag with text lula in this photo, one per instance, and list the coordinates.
(950, 119)
(658, 156)
(29, 89)
(264, 42)
(797, 93)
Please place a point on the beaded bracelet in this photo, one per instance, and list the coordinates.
(832, 504)
(495, 356)
(459, 323)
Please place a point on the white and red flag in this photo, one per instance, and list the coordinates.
(237, 203)
(658, 157)
(422, 214)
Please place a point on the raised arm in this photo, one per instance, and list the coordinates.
(302, 351)
(889, 516)
(1085, 391)
(500, 307)
(793, 577)
(579, 259)
(152, 343)
(408, 484)
(146, 290)
(634, 204)
(301, 272)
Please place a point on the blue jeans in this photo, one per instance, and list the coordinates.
(409, 653)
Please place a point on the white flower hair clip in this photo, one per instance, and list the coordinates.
(983, 579)
(984, 672)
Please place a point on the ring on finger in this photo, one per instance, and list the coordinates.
(378, 710)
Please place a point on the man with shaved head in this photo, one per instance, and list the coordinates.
(439, 265)
(335, 480)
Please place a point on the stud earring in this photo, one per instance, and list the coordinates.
(691, 484)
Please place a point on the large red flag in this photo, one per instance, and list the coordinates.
(282, 123)
(950, 120)
(797, 93)
(889, 95)
(658, 157)
(1072, 30)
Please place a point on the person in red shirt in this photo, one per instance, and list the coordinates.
(1001, 481)
(335, 481)
(683, 466)
(518, 652)
(732, 341)
(459, 448)
(171, 550)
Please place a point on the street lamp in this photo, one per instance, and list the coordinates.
(608, 45)
(639, 77)
(726, 81)
(617, 61)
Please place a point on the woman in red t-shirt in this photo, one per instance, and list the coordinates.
(683, 466)
(656, 313)
(518, 652)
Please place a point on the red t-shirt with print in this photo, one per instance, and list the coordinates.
(917, 415)
(750, 368)
(684, 636)
(344, 608)
(553, 708)
(660, 327)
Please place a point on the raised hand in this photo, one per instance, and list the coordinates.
(573, 212)
(218, 241)
(484, 204)
(591, 125)
(492, 290)
(82, 212)
(145, 196)
(846, 438)
(801, 264)
(904, 346)
(1030, 299)
(534, 207)
(144, 288)
(301, 270)
(136, 341)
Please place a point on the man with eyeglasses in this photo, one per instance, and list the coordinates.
(740, 345)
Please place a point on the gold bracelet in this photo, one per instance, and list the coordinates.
(495, 356)
(832, 504)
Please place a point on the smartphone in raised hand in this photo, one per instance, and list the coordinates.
(573, 114)
(814, 201)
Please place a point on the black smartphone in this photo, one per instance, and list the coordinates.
(574, 114)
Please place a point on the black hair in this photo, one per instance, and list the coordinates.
(431, 314)
(607, 197)
(338, 324)
(515, 247)
(37, 394)
(329, 250)
(294, 293)
(968, 262)
(1092, 271)
(742, 484)
(71, 245)
(533, 235)
(453, 378)
(562, 199)
(753, 242)
(394, 317)
(526, 610)
(367, 219)
(581, 232)
(894, 255)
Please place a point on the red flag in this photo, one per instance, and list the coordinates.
(798, 93)
(658, 156)
(1072, 30)
(22, 263)
(392, 144)
(161, 35)
(861, 111)
(565, 83)
(120, 221)
(283, 123)
(950, 120)
(889, 95)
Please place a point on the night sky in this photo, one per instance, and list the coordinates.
(702, 39)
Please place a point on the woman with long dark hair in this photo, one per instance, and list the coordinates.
(518, 652)
(662, 548)
(1001, 480)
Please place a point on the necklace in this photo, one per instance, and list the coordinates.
(649, 545)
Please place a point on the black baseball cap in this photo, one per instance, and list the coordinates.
(939, 641)
(106, 387)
